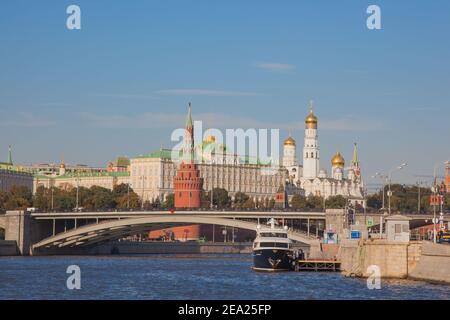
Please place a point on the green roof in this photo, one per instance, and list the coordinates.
(121, 162)
(167, 154)
(12, 168)
(84, 175)
(163, 154)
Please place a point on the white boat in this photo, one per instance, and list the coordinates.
(272, 249)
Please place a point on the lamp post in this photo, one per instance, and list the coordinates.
(390, 181)
(143, 178)
(128, 195)
(78, 191)
(435, 190)
(419, 205)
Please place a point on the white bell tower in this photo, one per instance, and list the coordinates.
(311, 152)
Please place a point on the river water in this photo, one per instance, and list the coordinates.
(188, 277)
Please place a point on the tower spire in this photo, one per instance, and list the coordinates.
(355, 160)
(189, 117)
(311, 102)
(10, 155)
(188, 147)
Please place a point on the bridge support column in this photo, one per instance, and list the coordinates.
(307, 225)
(335, 220)
(18, 229)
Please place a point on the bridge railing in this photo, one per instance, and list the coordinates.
(181, 210)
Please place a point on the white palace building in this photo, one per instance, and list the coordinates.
(151, 175)
(313, 179)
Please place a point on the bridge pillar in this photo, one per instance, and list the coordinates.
(335, 220)
(24, 230)
(17, 228)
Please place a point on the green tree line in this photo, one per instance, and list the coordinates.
(405, 199)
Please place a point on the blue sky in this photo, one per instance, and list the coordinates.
(120, 85)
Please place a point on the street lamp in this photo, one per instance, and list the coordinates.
(435, 190)
(143, 178)
(128, 195)
(390, 180)
(78, 187)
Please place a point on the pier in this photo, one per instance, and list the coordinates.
(317, 265)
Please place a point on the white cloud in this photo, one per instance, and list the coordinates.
(129, 96)
(275, 67)
(157, 120)
(144, 120)
(26, 119)
(206, 92)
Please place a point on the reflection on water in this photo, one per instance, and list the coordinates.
(188, 277)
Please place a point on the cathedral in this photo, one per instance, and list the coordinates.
(314, 180)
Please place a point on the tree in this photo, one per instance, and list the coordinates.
(221, 199)
(169, 202)
(19, 198)
(205, 200)
(99, 198)
(336, 202)
(374, 201)
(41, 198)
(3, 199)
(121, 190)
(298, 201)
(314, 202)
(156, 203)
(131, 199)
(240, 199)
(249, 204)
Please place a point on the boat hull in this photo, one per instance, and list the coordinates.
(271, 260)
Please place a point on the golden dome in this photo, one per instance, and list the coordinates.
(338, 160)
(289, 141)
(210, 139)
(311, 120)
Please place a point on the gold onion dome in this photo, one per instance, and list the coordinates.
(289, 141)
(338, 160)
(311, 120)
(210, 139)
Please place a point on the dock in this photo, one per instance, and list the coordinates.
(317, 265)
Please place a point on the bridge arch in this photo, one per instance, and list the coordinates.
(116, 229)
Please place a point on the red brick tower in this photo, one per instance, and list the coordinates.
(187, 183)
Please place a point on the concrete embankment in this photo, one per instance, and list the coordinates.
(434, 263)
(126, 247)
(8, 248)
(417, 260)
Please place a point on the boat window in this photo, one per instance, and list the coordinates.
(273, 245)
(274, 235)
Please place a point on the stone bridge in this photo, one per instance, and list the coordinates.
(116, 229)
(37, 233)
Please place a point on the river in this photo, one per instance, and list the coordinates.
(188, 277)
